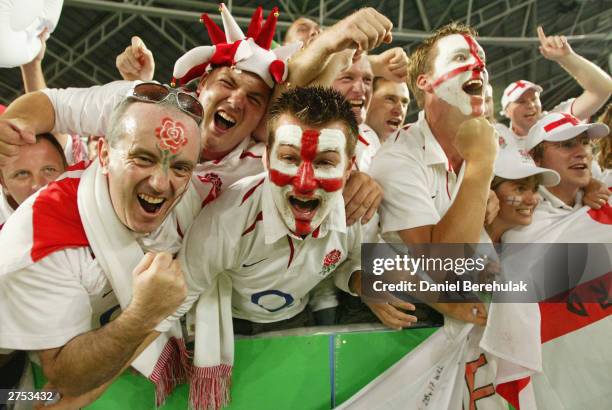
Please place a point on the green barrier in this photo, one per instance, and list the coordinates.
(311, 372)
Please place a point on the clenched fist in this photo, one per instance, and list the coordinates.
(475, 141)
(363, 30)
(159, 287)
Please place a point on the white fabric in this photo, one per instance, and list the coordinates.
(21, 22)
(364, 153)
(514, 164)
(417, 180)
(6, 209)
(435, 375)
(575, 366)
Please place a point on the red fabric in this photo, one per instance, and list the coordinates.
(363, 140)
(566, 119)
(215, 33)
(602, 215)
(56, 222)
(511, 390)
(277, 70)
(2, 108)
(224, 54)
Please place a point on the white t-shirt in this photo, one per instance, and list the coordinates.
(88, 111)
(242, 235)
(64, 294)
(417, 179)
(510, 135)
(365, 149)
(6, 209)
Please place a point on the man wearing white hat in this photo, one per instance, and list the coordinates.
(521, 99)
(561, 142)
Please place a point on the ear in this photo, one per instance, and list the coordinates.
(423, 83)
(266, 159)
(349, 168)
(103, 154)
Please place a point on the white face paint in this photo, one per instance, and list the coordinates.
(307, 170)
(459, 66)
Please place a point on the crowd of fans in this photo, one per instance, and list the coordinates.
(240, 196)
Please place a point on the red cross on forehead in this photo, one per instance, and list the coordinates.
(476, 67)
(473, 49)
(310, 141)
(565, 120)
(518, 84)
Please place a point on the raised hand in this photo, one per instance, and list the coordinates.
(136, 62)
(553, 48)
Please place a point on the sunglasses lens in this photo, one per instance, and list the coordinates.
(190, 104)
(151, 92)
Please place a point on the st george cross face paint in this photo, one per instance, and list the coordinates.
(307, 168)
(459, 73)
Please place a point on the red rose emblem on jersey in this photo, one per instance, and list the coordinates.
(171, 135)
(215, 190)
(332, 258)
(502, 142)
(330, 261)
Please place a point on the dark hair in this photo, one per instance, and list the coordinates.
(421, 57)
(317, 106)
(55, 143)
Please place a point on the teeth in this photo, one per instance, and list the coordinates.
(151, 199)
(474, 82)
(226, 117)
(356, 102)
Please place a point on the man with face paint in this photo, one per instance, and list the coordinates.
(285, 230)
(436, 172)
(97, 245)
(521, 99)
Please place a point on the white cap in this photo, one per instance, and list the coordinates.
(512, 163)
(514, 91)
(556, 126)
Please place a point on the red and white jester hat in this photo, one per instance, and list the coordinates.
(251, 53)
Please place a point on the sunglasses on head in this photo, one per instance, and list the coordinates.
(156, 93)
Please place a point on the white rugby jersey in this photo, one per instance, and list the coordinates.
(242, 235)
(417, 179)
(365, 149)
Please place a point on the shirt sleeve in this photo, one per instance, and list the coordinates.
(407, 202)
(86, 111)
(44, 305)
